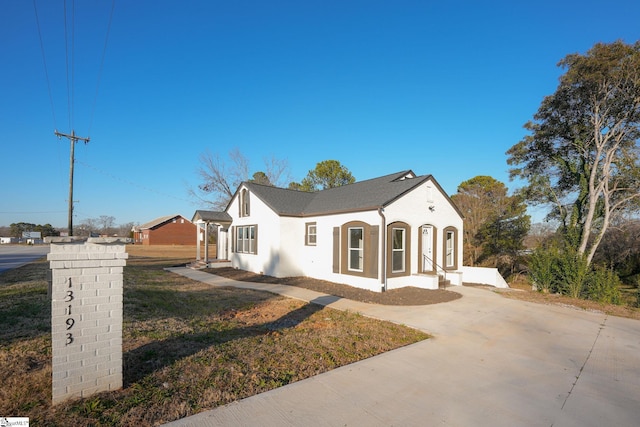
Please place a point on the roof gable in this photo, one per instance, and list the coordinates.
(159, 221)
(369, 194)
(362, 195)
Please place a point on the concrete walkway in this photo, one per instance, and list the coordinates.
(492, 362)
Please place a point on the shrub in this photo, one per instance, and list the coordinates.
(541, 269)
(571, 273)
(603, 285)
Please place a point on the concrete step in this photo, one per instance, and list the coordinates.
(213, 263)
(197, 265)
(443, 283)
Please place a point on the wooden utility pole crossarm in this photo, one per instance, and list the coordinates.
(73, 138)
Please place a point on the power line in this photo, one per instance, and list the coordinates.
(69, 47)
(44, 60)
(128, 182)
(73, 64)
(104, 52)
(66, 57)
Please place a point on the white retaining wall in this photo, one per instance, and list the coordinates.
(483, 276)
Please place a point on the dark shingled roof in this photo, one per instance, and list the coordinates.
(211, 216)
(364, 195)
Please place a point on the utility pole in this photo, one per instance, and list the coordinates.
(73, 138)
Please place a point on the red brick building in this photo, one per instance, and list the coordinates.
(166, 230)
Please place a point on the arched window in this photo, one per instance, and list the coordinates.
(398, 249)
(358, 243)
(244, 203)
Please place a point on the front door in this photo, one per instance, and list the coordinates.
(221, 246)
(427, 248)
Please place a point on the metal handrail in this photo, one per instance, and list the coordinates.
(438, 266)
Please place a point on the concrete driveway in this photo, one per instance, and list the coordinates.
(492, 362)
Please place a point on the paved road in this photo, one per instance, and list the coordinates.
(492, 362)
(14, 256)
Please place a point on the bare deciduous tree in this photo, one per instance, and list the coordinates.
(106, 223)
(219, 179)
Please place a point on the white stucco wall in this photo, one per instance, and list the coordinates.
(290, 245)
(267, 258)
(413, 208)
(282, 250)
(317, 261)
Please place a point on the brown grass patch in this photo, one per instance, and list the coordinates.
(521, 289)
(187, 346)
(563, 300)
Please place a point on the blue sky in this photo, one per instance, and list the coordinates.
(440, 88)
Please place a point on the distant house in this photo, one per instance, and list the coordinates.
(166, 230)
(8, 240)
(32, 237)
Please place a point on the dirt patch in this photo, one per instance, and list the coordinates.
(408, 295)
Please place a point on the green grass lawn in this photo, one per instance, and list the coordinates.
(187, 347)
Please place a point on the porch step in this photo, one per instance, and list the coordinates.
(443, 283)
(213, 263)
(197, 265)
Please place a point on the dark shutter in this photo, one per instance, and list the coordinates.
(233, 239)
(336, 249)
(255, 243)
(371, 261)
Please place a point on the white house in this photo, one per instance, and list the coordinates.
(383, 233)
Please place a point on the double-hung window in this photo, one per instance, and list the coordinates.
(246, 239)
(398, 250)
(311, 234)
(356, 249)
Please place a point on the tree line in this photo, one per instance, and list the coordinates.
(17, 228)
(580, 159)
(103, 225)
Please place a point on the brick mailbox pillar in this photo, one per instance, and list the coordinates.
(86, 315)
